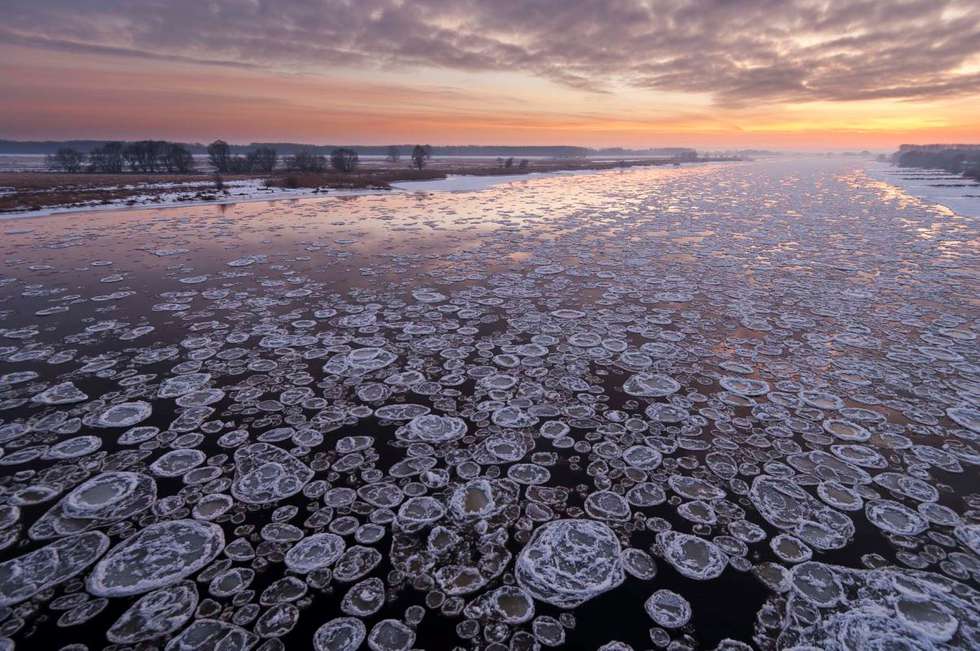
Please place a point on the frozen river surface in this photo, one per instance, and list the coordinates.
(727, 406)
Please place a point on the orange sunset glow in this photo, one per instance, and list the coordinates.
(810, 75)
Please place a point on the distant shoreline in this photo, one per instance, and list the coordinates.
(39, 192)
(41, 147)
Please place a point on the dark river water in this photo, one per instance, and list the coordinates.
(727, 406)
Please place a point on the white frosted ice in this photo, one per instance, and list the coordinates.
(155, 614)
(568, 562)
(265, 473)
(787, 506)
(97, 501)
(64, 393)
(180, 385)
(125, 414)
(157, 556)
(694, 557)
(24, 576)
(435, 429)
(668, 609)
(651, 385)
(212, 635)
(882, 609)
(340, 634)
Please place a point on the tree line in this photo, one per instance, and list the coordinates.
(144, 156)
(958, 160)
(223, 161)
(161, 156)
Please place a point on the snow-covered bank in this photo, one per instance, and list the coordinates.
(237, 192)
(176, 195)
(953, 191)
(172, 195)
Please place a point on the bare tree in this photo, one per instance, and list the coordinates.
(178, 159)
(262, 159)
(307, 160)
(147, 156)
(419, 156)
(156, 154)
(394, 154)
(239, 164)
(523, 164)
(218, 154)
(133, 155)
(107, 159)
(509, 163)
(65, 159)
(343, 160)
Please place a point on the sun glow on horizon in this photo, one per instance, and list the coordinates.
(57, 88)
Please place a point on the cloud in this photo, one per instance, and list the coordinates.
(13, 38)
(738, 52)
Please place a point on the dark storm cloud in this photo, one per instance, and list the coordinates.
(738, 51)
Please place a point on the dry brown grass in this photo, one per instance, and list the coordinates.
(38, 190)
(364, 178)
(383, 177)
(28, 181)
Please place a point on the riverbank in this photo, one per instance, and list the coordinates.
(953, 191)
(46, 192)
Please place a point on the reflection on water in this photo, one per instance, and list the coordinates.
(371, 418)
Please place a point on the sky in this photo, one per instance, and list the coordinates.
(717, 74)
